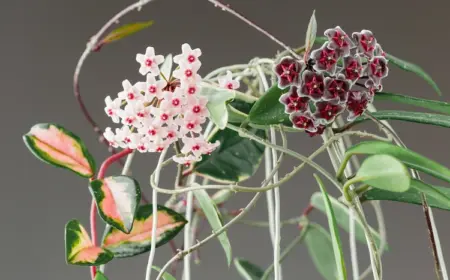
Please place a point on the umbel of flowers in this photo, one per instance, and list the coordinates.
(343, 74)
(162, 110)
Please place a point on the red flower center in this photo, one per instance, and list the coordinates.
(188, 73)
(191, 58)
(152, 89)
(176, 102)
(196, 109)
(148, 62)
(164, 117)
(192, 90)
(130, 96)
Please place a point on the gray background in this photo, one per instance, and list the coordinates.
(41, 42)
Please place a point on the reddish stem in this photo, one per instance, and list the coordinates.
(93, 214)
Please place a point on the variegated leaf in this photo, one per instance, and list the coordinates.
(138, 240)
(55, 145)
(117, 199)
(79, 248)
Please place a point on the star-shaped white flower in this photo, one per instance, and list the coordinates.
(112, 108)
(149, 62)
(130, 93)
(227, 81)
(188, 55)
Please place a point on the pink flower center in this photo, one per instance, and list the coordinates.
(191, 58)
(159, 149)
(170, 135)
(127, 140)
(152, 89)
(188, 73)
(164, 117)
(151, 132)
(230, 86)
(141, 114)
(141, 147)
(129, 120)
(176, 102)
(190, 126)
(130, 96)
(196, 109)
(196, 147)
(192, 90)
(110, 112)
(148, 62)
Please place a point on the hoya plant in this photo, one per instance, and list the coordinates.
(218, 129)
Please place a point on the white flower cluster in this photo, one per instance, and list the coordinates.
(162, 110)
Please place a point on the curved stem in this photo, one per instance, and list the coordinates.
(154, 214)
(107, 163)
(93, 221)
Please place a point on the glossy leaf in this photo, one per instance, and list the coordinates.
(311, 32)
(138, 241)
(79, 248)
(125, 30)
(238, 111)
(247, 270)
(212, 215)
(268, 109)
(235, 160)
(166, 68)
(335, 238)
(416, 117)
(437, 197)
(320, 249)
(117, 199)
(100, 276)
(410, 67)
(166, 275)
(341, 212)
(384, 172)
(438, 106)
(217, 98)
(408, 157)
(57, 146)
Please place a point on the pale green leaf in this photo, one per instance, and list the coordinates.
(247, 270)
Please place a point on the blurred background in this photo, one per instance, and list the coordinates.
(41, 43)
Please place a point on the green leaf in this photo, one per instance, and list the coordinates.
(166, 68)
(79, 248)
(138, 241)
(416, 117)
(125, 30)
(408, 157)
(53, 144)
(212, 215)
(438, 106)
(247, 270)
(268, 109)
(341, 213)
(311, 32)
(384, 172)
(320, 248)
(335, 238)
(117, 198)
(437, 197)
(217, 98)
(238, 111)
(166, 275)
(410, 67)
(221, 196)
(100, 276)
(235, 160)
(320, 40)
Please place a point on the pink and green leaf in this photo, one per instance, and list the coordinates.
(138, 241)
(117, 200)
(55, 145)
(79, 248)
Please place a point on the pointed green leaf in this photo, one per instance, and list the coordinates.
(335, 238)
(268, 109)
(384, 172)
(341, 212)
(437, 197)
(212, 215)
(410, 67)
(416, 117)
(438, 106)
(138, 241)
(117, 199)
(311, 32)
(166, 68)
(408, 157)
(238, 111)
(166, 275)
(217, 98)
(57, 146)
(247, 270)
(100, 276)
(125, 30)
(320, 249)
(235, 160)
(79, 248)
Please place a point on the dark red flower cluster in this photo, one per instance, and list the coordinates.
(343, 74)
